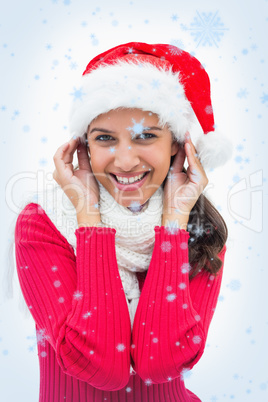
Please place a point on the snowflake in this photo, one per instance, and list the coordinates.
(54, 268)
(87, 314)
(77, 94)
(78, 295)
(112, 150)
(155, 84)
(264, 98)
(208, 109)
(41, 336)
(171, 297)
(235, 285)
(182, 285)
(137, 128)
(174, 17)
(243, 93)
(148, 381)
(172, 227)
(166, 246)
(174, 50)
(120, 347)
(185, 268)
(135, 206)
(128, 389)
(197, 339)
(207, 28)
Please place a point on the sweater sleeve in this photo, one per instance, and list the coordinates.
(78, 302)
(173, 315)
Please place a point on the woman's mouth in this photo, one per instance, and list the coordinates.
(129, 186)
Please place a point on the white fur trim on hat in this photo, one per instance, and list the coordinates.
(213, 149)
(132, 85)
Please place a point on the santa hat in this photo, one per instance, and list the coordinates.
(159, 78)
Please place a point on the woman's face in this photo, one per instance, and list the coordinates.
(129, 142)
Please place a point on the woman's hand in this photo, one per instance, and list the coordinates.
(182, 190)
(79, 185)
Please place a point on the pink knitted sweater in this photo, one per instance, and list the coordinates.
(84, 338)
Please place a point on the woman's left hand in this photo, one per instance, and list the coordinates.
(182, 190)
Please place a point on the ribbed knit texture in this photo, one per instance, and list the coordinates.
(85, 344)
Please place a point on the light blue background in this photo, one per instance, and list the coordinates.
(44, 48)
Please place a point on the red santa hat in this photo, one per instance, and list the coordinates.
(159, 78)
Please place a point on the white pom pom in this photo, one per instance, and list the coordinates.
(213, 149)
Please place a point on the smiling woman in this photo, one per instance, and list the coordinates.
(114, 265)
(130, 153)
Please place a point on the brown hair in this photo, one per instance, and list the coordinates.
(208, 233)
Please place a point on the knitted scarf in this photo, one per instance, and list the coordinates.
(134, 237)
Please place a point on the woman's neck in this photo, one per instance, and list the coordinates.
(138, 208)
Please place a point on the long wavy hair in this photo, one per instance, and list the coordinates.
(208, 232)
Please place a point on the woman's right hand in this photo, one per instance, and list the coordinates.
(80, 185)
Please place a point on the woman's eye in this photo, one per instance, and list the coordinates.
(142, 136)
(101, 136)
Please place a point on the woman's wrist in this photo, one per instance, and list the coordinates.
(174, 219)
(88, 219)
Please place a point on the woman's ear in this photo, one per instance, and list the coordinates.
(174, 147)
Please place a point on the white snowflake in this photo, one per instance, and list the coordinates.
(41, 336)
(148, 381)
(208, 109)
(137, 128)
(207, 29)
(175, 51)
(183, 245)
(182, 285)
(135, 206)
(87, 314)
(166, 246)
(120, 347)
(197, 339)
(185, 268)
(155, 340)
(128, 389)
(57, 284)
(54, 269)
(171, 297)
(197, 317)
(78, 295)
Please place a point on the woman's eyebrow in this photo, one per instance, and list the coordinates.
(103, 130)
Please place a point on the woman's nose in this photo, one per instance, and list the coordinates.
(126, 158)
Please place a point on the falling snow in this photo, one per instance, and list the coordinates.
(120, 347)
(78, 295)
(137, 128)
(148, 381)
(196, 339)
(207, 29)
(171, 297)
(166, 246)
(41, 336)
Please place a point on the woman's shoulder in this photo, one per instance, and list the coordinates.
(33, 221)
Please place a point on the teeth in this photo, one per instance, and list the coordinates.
(125, 180)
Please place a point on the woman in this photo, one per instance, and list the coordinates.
(122, 281)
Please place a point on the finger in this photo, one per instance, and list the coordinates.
(64, 156)
(193, 150)
(83, 158)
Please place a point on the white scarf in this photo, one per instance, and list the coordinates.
(134, 237)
